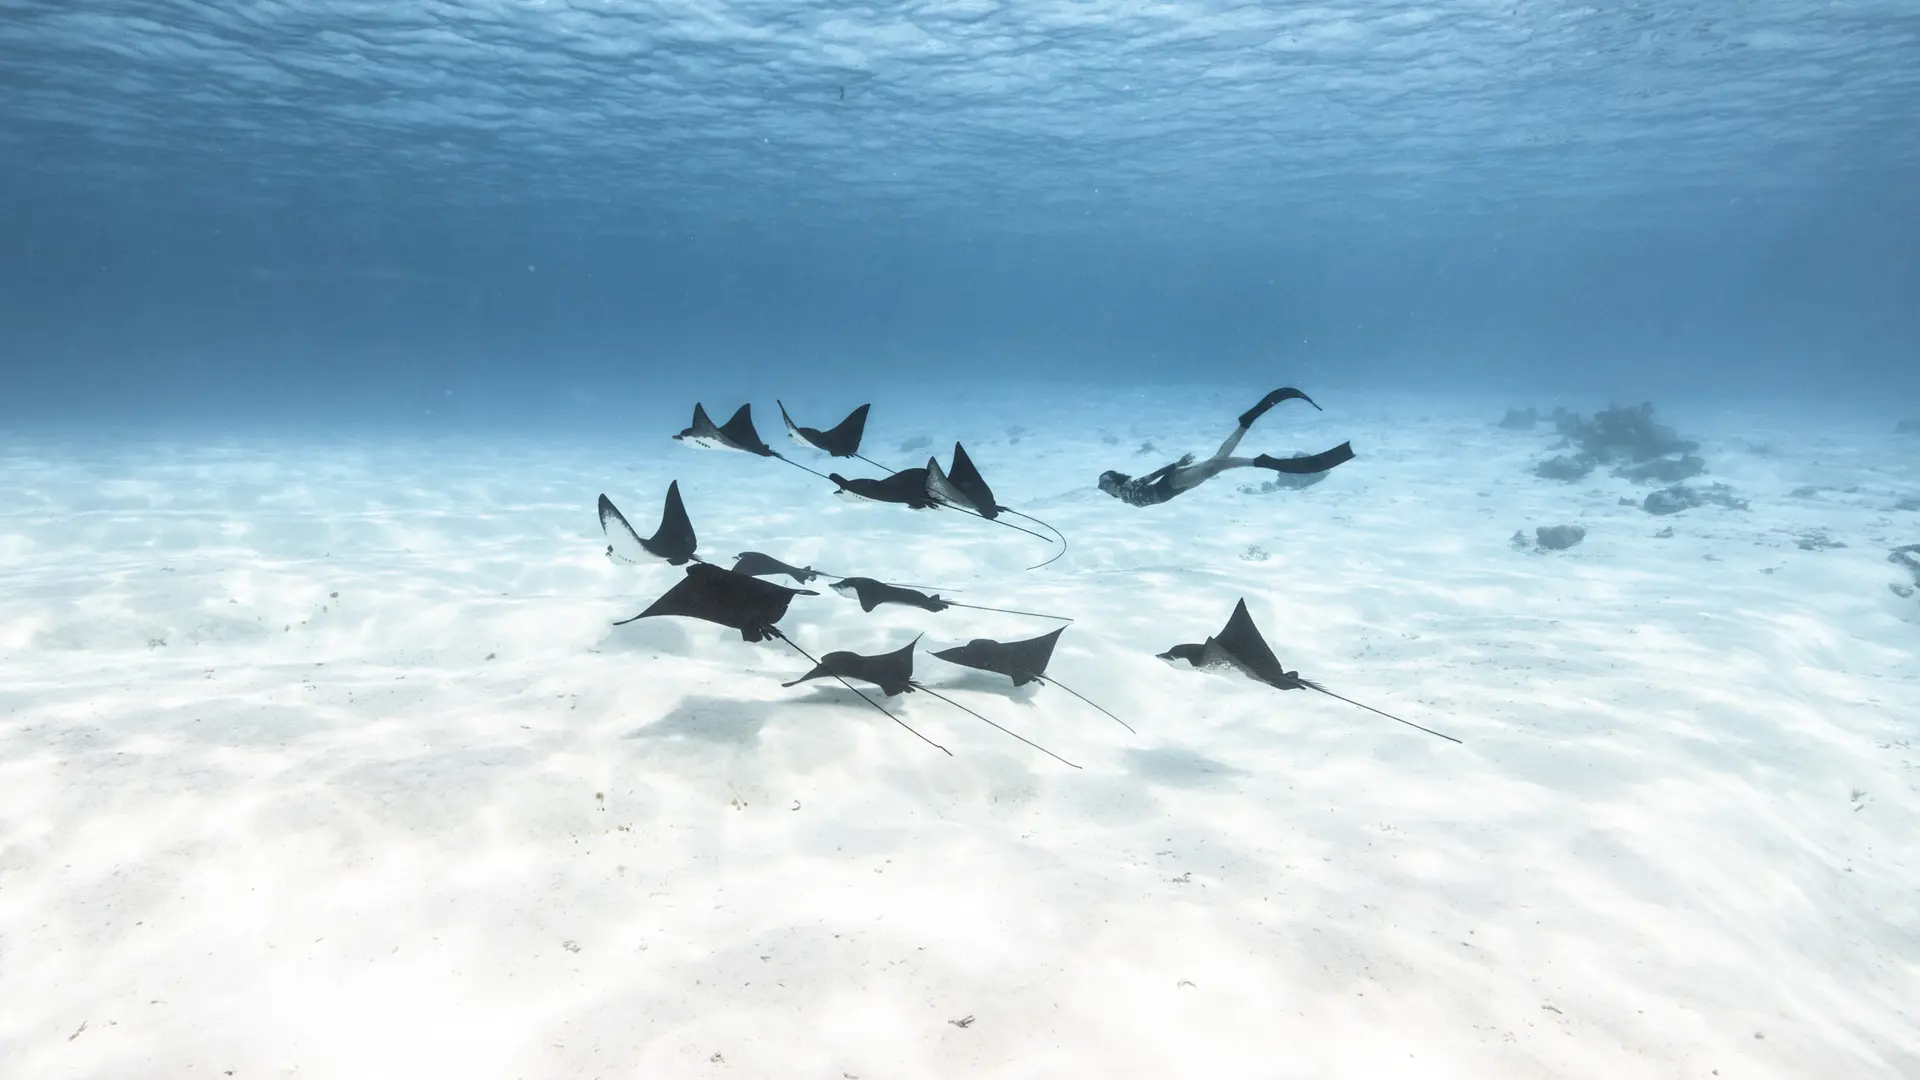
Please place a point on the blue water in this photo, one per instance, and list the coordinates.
(519, 211)
(326, 749)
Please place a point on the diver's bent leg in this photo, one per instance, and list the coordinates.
(1192, 476)
(1232, 443)
(1285, 393)
(1301, 466)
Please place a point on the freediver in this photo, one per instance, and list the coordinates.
(1186, 474)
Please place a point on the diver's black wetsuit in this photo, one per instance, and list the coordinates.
(1186, 474)
(1151, 489)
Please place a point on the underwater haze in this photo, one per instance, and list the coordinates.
(354, 207)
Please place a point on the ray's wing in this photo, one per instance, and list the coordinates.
(795, 431)
(970, 483)
(701, 432)
(892, 672)
(1022, 661)
(940, 489)
(739, 432)
(715, 595)
(674, 541)
(844, 439)
(689, 599)
(1241, 641)
(623, 544)
(1029, 658)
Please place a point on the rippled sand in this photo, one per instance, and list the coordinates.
(322, 758)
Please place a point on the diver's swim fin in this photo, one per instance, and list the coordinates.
(1285, 393)
(1301, 466)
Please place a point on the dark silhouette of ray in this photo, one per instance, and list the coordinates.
(716, 595)
(912, 488)
(673, 541)
(963, 488)
(737, 433)
(872, 594)
(1240, 647)
(842, 440)
(908, 488)
(1022, 661)
(940, 488)
(893, 674)
(916, 490)
(757, 564)
(750, 606)
(821, 665)
(967, 479)
(754, 564)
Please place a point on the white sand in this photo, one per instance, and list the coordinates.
(249, 827)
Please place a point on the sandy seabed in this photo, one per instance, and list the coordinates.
(321, 758)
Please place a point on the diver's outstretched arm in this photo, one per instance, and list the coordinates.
(1164, 471)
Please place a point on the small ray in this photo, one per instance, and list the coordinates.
(893, 674)
(1022, 661)
(872, 594)
(1240, 647)
(961, 487)
(755, 564)
(737, 433)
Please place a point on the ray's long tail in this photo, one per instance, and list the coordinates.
(1062, 537)
(1377, 712)
(1056, 682)
(775, 631)
(990, 723)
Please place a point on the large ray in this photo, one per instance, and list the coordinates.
(737, 433)
(749, 605)
(716, 595)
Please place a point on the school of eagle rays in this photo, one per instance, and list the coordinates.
(741, 598)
